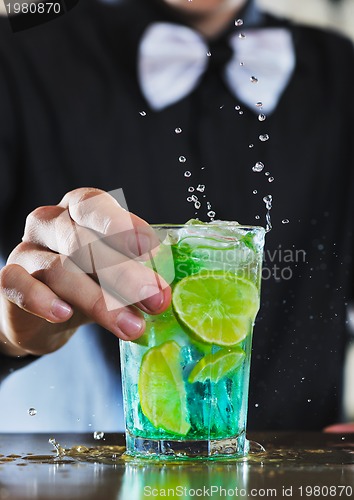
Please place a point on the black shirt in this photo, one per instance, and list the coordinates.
(72, 114)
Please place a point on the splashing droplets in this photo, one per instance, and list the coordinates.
(268, 199)
(258, 167)
(264, 137)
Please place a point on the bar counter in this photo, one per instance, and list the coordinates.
(81, 466)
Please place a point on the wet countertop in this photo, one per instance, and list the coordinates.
(78, 466)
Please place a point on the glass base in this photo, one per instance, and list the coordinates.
(163, 449)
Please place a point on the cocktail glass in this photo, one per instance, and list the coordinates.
(185, 381)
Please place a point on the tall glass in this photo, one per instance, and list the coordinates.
(185, 381)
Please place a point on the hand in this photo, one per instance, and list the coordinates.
(340, 428)
(78, 262)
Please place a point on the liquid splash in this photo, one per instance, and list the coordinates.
(268, 200)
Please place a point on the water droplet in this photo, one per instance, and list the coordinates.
(242, 36)
(259, 104)
(202, 168)
(208, 53)
(194, 197)
(268, 201)
(189, 199)
(240, 112)
(208, 205)
(264, 137)
(201, 188)
(256, 405)
(242, 63)
(262, 117)
(142, 113)
(182, 159)
(285, 221)
(98, 435)
(257, 217)
(267, 173)
(254, 79)
(237, 108)
(271, 179)
(211, 213)
(251, 145)
(239, 22)
(197, 204)
(309, 400)
(191, 189)
(187, 173)
(32, 412)
(258, 167)
(178, 130)
(255, 191)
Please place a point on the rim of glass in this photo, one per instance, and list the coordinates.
(207, 225)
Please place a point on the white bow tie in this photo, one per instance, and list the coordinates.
(173, 58)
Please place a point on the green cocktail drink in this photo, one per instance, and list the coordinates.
(185, 381)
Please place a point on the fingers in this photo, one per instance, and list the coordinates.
(83, 260)
(77, 289)
(32, 295)
(30, 305)
(101, 212)
(96, 253)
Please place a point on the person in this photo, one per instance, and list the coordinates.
(258, 116)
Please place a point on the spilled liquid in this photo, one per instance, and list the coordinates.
(115, 455)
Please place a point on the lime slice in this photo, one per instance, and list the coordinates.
(216, 307)
(161, 389)
(218, 365)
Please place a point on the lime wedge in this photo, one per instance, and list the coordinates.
(218, 365)
(161, 389)
(216, 307)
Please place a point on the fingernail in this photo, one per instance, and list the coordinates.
(60, 309)
(151, 297)
(130, 324)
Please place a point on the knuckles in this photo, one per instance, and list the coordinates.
(8, 276)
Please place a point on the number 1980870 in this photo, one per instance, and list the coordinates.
(33, 8)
